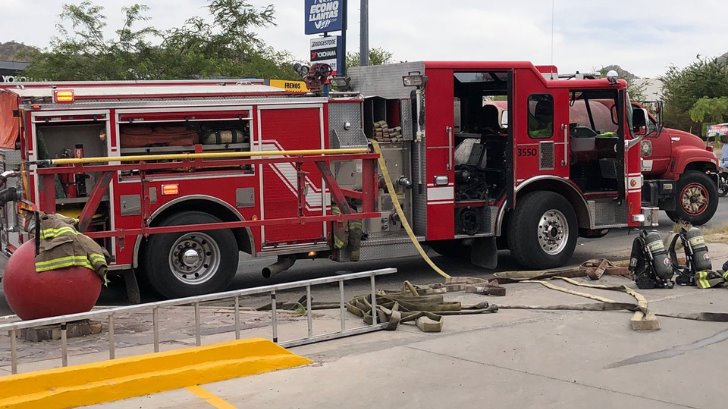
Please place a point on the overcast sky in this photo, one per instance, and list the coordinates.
(642, 36)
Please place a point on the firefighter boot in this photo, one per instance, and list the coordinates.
(340, 237)
(355, 233)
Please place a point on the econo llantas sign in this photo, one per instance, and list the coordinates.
(324, 16)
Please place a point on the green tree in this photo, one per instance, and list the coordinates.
(82, 53)
(225, 47)
(690, 93)
(377, 56)
(712, 110)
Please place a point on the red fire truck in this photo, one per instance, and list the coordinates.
(176, 179)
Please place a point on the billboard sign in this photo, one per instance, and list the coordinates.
(324, 16)
(718, 130)
(326, 50)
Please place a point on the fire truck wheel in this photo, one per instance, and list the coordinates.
(191, 263)
(697, 199)
(542, 231)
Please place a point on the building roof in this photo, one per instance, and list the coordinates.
(651, 88)
(13, 65)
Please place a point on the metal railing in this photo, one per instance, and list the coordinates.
(110, 313)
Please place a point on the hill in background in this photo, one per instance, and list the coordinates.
(14, 51)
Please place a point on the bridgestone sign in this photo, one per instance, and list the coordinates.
(325, 50)
(324, 16)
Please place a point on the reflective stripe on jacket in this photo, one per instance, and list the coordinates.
(62, 246)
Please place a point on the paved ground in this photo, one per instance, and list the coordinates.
(512, 359)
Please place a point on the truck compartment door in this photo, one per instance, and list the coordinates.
(282, 129)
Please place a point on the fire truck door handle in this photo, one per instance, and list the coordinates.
(565, 129)
(448, 131)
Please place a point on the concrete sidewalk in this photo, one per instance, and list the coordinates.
(512, 359)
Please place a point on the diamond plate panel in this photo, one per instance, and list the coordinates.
(383, 80)
(11, 158)
(387, 246)
(407, 131)
(607, 213)
(341, 114)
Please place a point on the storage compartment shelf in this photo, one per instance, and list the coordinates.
(184, 149)
(74, 200)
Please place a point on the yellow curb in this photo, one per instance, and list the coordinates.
(142, 374)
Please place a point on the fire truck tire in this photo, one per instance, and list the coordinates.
(697, 199)
(542, 231)
(191, 263)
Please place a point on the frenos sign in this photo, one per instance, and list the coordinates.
(324, 16)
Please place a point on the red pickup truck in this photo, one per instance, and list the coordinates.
(680, 171)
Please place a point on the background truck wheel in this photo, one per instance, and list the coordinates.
(697, 199)
(542, 231)
(191, 263)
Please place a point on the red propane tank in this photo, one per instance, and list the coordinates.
(34, 295)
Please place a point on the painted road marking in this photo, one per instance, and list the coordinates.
(210, 397)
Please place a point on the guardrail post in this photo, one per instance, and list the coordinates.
(309, 317)
(112, 341)
(198, 338)
(342, 305)
(64, 344)
(13, 351)
(274, 315)
(155, 328)
(237, 317)
(374, 300)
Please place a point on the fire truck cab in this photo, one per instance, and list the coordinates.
(498, 158)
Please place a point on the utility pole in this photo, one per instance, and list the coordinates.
(364, 34)
(342, 60)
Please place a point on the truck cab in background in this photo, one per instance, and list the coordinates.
(680, 171)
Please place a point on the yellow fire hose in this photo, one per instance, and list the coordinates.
(218, 155)
(400, 213)
(205, 155)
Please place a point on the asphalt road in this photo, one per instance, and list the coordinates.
(613, 246)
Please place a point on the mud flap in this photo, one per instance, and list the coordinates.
(484, 253)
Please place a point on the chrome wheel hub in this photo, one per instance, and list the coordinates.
(191, 257)
(553, 232)
(194, 258)
(694, 199)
